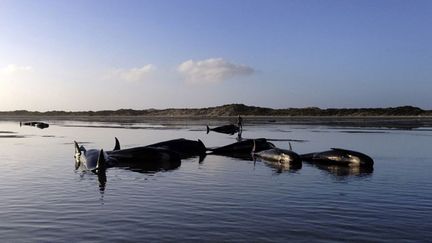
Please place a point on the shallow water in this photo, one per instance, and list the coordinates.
(44, 199)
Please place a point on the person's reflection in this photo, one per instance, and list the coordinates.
(239, 136)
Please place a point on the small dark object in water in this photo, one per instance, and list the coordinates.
(227, 129)
(340, 157)
(40, 125)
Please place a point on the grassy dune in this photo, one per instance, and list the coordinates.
(238, 109)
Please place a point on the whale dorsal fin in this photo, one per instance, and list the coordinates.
(100, 166)
(117, 144)
(290, 146)
(77, 148)
(202, 145)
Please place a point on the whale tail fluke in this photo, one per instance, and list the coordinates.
(208, 129)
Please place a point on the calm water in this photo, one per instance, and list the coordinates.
(221, 199)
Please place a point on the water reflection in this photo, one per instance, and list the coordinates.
(283, 167)
(341, 172)
(237, 156)
(153, 167)
(276, 166)
(146, 168)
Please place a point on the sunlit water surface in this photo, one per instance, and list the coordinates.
(44, 199)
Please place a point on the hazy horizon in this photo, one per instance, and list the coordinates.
(163, 108)
(109, 55)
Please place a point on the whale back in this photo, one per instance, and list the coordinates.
(245, 146)
(227, 129)
(184, 147)
(363, 159)
(340, 157)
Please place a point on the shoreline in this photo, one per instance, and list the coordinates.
(403, 122)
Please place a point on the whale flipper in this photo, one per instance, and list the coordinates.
(117, 144)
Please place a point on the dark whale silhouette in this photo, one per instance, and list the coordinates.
(142, 158)
(280, 159)
(278, 155)
(341, 157)
(184, 147)
(40, 125)
(227, 129)
(242, 148)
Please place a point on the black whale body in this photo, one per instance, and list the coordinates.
(279, 159)
(142, 158)
(242, 148)
(278, 155)
(146, 159)
(40, 125)
(164, 155)
(185, 148)
(227, 129)
(341, 157)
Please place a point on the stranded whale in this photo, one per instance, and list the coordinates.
(338, 156)
(243, 148)
(227, 129)
(184, 147)
(281, 159)
(145, 158)
(277, 155)
(40, 125)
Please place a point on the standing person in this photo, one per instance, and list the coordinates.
(240, 123)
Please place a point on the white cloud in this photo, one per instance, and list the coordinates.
(213, 70)
(133, 74)
(13, 69)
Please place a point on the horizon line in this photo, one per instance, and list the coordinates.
(210, 107)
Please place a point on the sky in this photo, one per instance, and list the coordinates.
(96, 55)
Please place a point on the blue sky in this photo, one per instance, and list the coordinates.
(93, 55)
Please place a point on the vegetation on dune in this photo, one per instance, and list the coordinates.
(236, 109)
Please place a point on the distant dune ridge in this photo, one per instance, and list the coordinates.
(234, 110)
